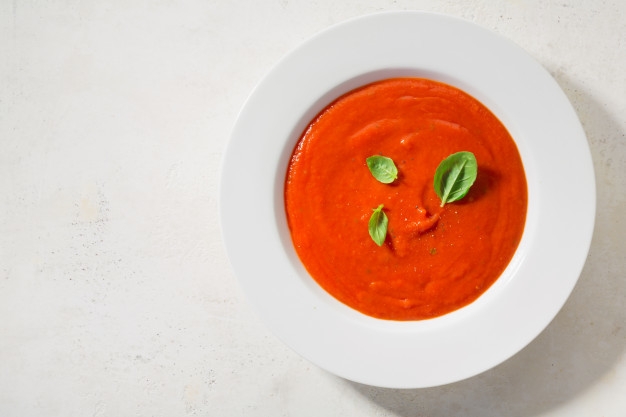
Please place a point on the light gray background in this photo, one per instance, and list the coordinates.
(116, 297)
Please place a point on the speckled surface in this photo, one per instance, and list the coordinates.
(116, 297)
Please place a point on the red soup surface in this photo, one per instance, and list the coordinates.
(435, 259)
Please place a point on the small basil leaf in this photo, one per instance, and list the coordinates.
(382, 168)
(454, 176)
(378, 225)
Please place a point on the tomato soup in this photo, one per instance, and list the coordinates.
(435, 259)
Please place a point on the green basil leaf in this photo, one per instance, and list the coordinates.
(382, 168)
(378, 226)
(454, 176)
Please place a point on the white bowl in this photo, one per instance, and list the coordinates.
(557, 234)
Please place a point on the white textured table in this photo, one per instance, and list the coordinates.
(116, 297)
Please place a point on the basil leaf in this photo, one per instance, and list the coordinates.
(382, 168)
(378, 225)
(454, 176)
